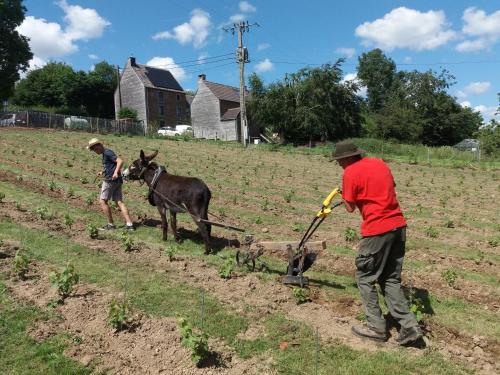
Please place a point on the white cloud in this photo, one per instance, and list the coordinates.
(93, 57)
(474, 88)
(168, 63)
(264, 66)
(50, 40)
(485, 28)
(203, 56)
(407, 28)
(347, 52)
(47, 39)
(246, 7)
(487, 112)
(465, 104)
(263, 46)
(362, 90)
(408, 59)
(83, 23)
(237, 18)
(195, 31)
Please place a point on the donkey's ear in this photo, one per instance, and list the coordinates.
(153, 155)
(142, 156)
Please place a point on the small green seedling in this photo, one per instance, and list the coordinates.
(450, 276)
(197, 342)
(351, 235)
(493, 242)
(20, 265)
(170, 251)
(2, 196)
(431, 232)
(118, 314)
(127, 242)
(18, 205)
(43, 213)
(288, 196)
(68, 220)
(84, 180)
(64, 281)
(226, 270)
(301, 295)
(92, 231)
(449, 224)
(52, 186)
(417, 307)
(70, 192)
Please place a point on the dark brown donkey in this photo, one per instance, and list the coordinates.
(173, 193)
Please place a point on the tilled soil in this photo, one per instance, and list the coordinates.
(333, 319)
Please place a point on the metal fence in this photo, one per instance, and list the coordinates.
(37, 119)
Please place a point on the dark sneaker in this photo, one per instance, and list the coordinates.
(108, 227)
(130, 227)
(368, 333)
(409, 335)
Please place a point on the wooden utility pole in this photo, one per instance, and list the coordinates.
(119, 88)
(242, 58)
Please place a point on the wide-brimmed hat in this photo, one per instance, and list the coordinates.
(93, 142)
(346, 149)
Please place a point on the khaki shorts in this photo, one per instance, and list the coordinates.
(111, 191)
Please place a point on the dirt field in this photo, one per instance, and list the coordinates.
(253, 322)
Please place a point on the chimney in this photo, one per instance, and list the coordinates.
(202, 77)
(131, 61)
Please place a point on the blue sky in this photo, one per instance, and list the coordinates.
(186, 37)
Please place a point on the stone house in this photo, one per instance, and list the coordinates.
(154, 93)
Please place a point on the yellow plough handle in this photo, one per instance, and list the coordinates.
(326, 210)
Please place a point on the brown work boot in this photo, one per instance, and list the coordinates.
(367, 332)
(409, 335)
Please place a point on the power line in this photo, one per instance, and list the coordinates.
(211, 68)
(173, 66)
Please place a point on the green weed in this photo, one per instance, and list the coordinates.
(2, 196)
(450, 276)
(118, 314)
(92, 231)
(301, 295)
(20, 265)
(431, 232)
(226, 270)
(351, 234)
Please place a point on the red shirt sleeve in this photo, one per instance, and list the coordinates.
(348, 187)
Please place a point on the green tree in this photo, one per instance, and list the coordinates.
(15, 52)
(102, 82)
(377, 72)
(127, 113)
(311, 104)
(489, 136)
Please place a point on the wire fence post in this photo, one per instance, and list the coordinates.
(202, 309)
(316, 362)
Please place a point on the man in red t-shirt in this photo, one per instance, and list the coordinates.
(368, 184)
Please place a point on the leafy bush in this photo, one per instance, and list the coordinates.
(226, 269)
(127, 113)
(118, 314)
(351, 234)
(64, 281)
(20, 265)
(92, 231)
(450, 276)
(197, 342)
(301, 295)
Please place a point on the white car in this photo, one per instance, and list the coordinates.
(178, 130)
(168, 130)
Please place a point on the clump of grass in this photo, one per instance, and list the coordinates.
(52, 186)
(70, 192)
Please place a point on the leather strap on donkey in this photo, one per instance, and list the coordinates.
(154, 182)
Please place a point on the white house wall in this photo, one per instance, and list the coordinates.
(132, 92)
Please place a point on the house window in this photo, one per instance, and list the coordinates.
(162, 110)
(178, 97)
(161, 98)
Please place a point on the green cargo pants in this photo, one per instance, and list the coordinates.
(380, 259)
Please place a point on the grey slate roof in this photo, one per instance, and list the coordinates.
(223, 92)
(467, 143)
(230, 114)
(156, 78)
